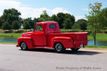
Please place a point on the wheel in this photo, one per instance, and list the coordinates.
(75, 49)
(23, 46)
(59, 47)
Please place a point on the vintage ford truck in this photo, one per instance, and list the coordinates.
(48, 35)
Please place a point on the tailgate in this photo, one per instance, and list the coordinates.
(81, 37)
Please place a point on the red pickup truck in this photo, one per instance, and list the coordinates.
(48, 35)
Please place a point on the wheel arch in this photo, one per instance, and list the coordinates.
(28, 42)
(22, 42)
(56, 43)
(65, 41)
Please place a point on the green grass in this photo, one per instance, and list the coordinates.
(10, 35)
(99, 37)
(8, 43)
(102, 37)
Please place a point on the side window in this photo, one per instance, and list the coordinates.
(39, 28)
(52, 26)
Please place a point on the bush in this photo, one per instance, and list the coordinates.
(19, 31)
(7, 31)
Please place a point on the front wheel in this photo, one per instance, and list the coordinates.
(23, 46)
(59, 47)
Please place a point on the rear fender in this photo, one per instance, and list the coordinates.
(67, 42)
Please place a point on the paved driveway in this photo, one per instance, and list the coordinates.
(14, 59)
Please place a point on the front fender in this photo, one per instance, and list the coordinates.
(67, 42)
(27, 40)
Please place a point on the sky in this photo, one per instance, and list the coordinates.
(33, 8)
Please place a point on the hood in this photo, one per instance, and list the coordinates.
(27, 34)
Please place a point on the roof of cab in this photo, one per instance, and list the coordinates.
(46, 22)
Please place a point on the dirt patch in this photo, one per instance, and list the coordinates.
(95, 49)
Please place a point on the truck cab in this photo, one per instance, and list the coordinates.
(48, 35)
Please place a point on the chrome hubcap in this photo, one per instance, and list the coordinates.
(58, 47)
(23, 46)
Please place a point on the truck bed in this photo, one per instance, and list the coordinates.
(78, 37)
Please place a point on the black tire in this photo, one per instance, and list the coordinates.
(59, 47)
(74, 49)
(23, 46)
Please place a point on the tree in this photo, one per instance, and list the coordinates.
(93, 18)
(28, 23)
(6, 26)
(67, 24)
(103, 18)
(54, 18)
(60, 19)
(15, 25)
(64, 20)
(68, 21)
(76, 26)
(82, 24)
(1, 22)
(11, 15)
(35, 20)
(44, 16)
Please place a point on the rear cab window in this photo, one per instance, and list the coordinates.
(52, 26)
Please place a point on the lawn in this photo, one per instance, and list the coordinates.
(99, 37)
(10, 35)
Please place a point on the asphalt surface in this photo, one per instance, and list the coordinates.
(14, 59)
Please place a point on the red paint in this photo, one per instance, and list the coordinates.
(50, 34)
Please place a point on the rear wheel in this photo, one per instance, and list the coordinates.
(59, 47)
(74, 49)
(23, 46)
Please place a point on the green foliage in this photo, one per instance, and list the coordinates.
(65, 20)
(93, 19)
(54, 18)
(97, 19)
(26, 24)
(34, 21)
(44, 16)
(68, 21)
(103, 18)
(16, 25)
(67, 24)
(10, 16)
(29, 23)
(83, 24)
(76, 26)
(80, 24)
(6, 26)
(60, 19)
(1, 21)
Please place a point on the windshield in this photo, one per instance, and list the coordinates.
(39, 28)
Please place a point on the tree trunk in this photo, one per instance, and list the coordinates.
(94, 35)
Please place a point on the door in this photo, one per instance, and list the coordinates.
(39, 36)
